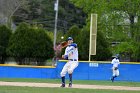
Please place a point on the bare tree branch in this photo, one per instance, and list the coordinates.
(8, 8)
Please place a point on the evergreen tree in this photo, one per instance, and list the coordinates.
(30, 42)
(5, 34)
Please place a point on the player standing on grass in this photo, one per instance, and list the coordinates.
(115, 69)
(71, 54)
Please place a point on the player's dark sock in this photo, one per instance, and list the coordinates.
(70, 80)
(112, 79)
(63, 81)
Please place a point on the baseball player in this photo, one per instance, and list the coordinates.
(115, 69)
(71, 54)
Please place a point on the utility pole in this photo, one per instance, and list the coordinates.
(56, 18)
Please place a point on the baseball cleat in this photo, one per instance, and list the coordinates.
(70, 85)
(63, 85)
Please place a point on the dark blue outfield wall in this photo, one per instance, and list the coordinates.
(85, 71)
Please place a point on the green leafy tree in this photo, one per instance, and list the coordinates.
(111, 20)
(83, 44)
(43, 46)
(129, 7)
(73, 32)
(20, 43)
(102, 48)
(125, 49)
(30, 42)
(42, 12)
(137, 53)
(117, 19)
(5, 34)
(81, 37)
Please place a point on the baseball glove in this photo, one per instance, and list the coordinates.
(115, 68)
(64, 44)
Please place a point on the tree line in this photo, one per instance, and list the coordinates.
(117, 32)
(119, 22)
(28, 43)
(42, 12)
(31, 43)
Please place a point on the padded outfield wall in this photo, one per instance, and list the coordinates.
(16, 71)
(129, 71)
(85, 71)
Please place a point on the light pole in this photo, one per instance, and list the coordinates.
(56, 17)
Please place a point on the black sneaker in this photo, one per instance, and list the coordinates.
(63, 85)
(70, 85)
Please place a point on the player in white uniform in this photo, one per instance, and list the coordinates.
(71, 54)
(115, 69)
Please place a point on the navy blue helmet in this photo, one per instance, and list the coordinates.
(70, 38)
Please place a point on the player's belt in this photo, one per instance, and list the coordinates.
(73, 59)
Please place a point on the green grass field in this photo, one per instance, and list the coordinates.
(12, 89)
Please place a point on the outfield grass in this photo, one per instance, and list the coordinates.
(11, 89)
(91, 82)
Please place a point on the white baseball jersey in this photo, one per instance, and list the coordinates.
(71, 52)
(115, 62)
(72, 55)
